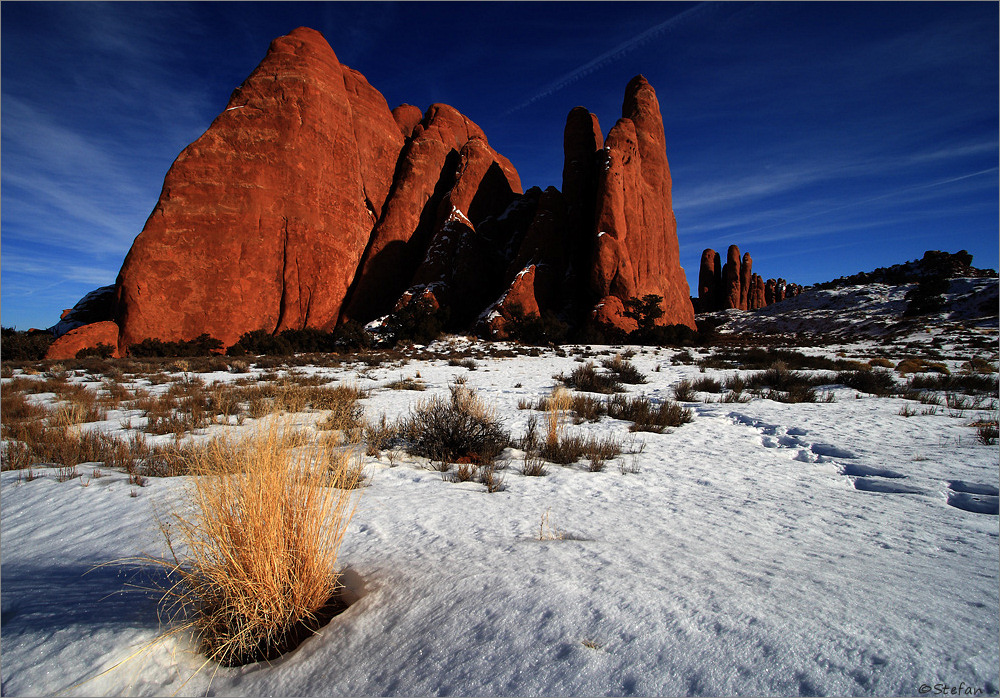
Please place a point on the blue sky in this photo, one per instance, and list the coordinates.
(823, 138)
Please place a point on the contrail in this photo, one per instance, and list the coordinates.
(893, 193)
(615, 54)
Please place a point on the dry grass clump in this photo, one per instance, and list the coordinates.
(460, 427)
(880, 362)
(345, 415)
(917, 365)
(645, 415)
(39, 443)
(706, 384)
(555, 410)
(257, 560)
(624, 370)
(572, 448)
(586, 378)
(874, 382)
(407, 384)
(684, 391)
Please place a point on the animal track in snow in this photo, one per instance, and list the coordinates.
(864, 477)
(970, 496)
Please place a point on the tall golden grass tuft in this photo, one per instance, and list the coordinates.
(556, 407)
(256, 552)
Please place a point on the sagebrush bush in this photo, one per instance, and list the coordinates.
(874, 382)
(684, 391)
(259, 543)
(459, 427)
(586, 378)
(646, 416)
(706, 384)
(969, 383)
(571, 448)
(624, 370)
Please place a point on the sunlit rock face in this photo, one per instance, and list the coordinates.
(308, 203)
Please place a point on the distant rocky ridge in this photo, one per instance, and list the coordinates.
(308, 203)
(934, 263)
(734, 285)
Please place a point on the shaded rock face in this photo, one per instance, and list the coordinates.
(308, 203)
(84, 337)
(709, 279)
(96, 306)
(746, 274)
(731, 279)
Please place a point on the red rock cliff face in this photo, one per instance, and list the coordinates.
(426, 174)
(636, 248)
(308, 203)
(262, 221)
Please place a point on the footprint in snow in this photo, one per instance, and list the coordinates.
(970, 496)
(855, 470)
(868, 484)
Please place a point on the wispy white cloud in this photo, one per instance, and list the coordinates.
(611, 56)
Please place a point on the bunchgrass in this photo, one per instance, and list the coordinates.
(255, 553)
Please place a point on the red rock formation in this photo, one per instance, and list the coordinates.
(262, 221)
(758, 293)
(708, 276)
(779, 291)
(443, 146)
(308, 203)
(731, 279)
(636, 250)
(746, 274)
(582, 141)
(96, 306)
(538, 270)
(84, 337)
(769, 292)
(611, 311)
(407, 117)
(459, 268)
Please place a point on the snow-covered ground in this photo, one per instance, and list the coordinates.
(762, 549)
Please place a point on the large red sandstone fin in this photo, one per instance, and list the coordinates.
(447, 166)
(263, 219)
(731, 278)
(637, 252)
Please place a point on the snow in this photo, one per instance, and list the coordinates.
(763, 549)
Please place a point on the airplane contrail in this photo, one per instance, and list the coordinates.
(609, 57)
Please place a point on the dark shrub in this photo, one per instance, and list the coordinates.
(874, 382)
(101, 351)
(645, 311)
(645, 415)
(585, 377)
(956, 382)
(24, 346)
(418, 322)
(624, 370)
(203, 345)
(261, 343)
(459, 428)
(535, 329)
(927, 296)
